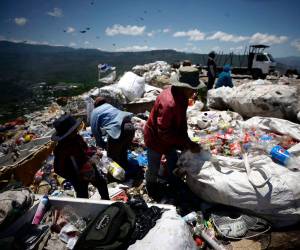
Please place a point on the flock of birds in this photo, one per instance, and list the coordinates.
(83, 31)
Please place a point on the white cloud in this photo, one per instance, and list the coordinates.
(216, 48)
(222, 36)
(72, 44)
(153, 32)
(70, 30)
(267, 39)
(36, 42)
(296, 44)
(255, 38)
(57, 12)
(2, 38)
(194, 35)
(236, 49)
(136, 48)
(195, 49)
(32, 42)
(189, 49)
(86, 42)
(58, 45)
(129, 30)
(21, 21)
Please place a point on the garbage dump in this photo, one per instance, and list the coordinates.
(156, 73)
(239, 188)
(258, 97)
(131, 93)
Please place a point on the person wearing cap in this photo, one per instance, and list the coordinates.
(166, 127)
(71, 159)
(106, 119)
(186, 63)
(211, 70)
(224, 78)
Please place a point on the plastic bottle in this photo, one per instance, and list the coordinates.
(116, 171)
(279, 154)
(41, 209)
(191, 217)
(113, 168)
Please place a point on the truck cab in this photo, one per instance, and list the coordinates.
(260, 63)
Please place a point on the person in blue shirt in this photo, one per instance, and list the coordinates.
(224, 78)
(106, 119)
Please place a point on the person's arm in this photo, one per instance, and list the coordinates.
(230, 82)
(212, 70)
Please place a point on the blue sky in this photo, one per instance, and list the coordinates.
(133, 25)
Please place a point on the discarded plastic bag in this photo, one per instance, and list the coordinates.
(132, 85)
(170, 232)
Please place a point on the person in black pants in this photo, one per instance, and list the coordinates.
(72, 160)
(211, 70)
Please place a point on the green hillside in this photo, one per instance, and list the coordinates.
(23, 67)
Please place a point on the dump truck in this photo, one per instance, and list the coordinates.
(259, 62)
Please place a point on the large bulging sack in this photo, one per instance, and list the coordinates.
(280, 101)
(274, 194)
(262, 186)
(132, 86)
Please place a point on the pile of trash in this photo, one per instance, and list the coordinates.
(21, 136)
(154, 73)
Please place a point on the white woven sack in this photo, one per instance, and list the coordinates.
(132, 86)
(254, 183)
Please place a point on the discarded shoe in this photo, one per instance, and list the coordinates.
(239, 227)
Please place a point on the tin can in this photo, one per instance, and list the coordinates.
(280, 155)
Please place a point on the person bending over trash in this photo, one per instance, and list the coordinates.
(166, 128)
(224, 78)
(105, 118)
(72, 159)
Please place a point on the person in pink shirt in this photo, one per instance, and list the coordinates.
(166, 128)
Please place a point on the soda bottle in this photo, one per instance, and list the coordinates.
(278, 154)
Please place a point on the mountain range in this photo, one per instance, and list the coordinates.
(24, 66)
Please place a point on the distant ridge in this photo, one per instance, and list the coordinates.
(24, 66)
(36, 63)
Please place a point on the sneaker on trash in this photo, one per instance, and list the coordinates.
(239, 227)
(229, 227)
